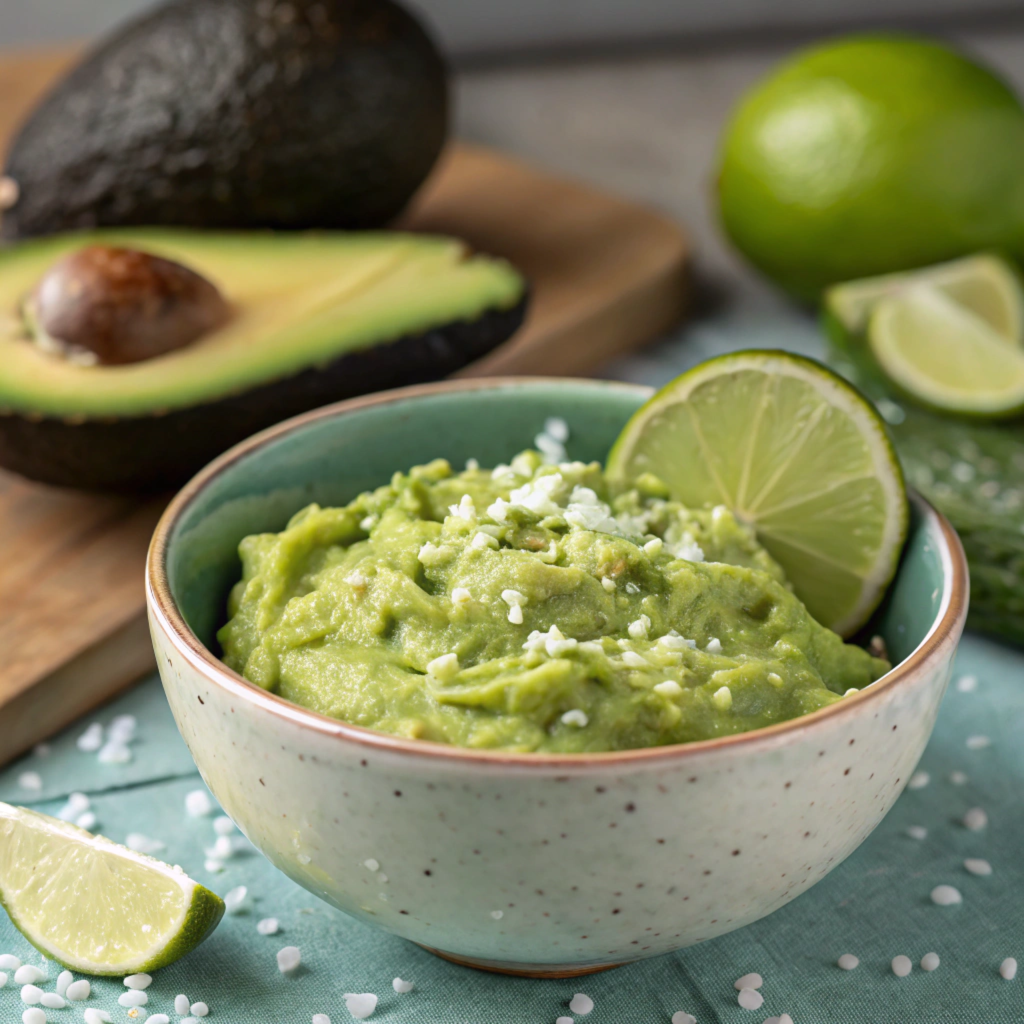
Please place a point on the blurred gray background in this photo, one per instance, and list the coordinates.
(482, 27)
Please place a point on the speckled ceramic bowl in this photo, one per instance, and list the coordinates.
(530, 863)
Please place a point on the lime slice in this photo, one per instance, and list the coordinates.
(796, 452)
(94, 906)
(984, 285)
(946, 357)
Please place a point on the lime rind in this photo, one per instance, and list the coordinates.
(795, 451)
(945, 357)
(67, 890)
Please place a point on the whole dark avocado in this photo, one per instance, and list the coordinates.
(236, 114)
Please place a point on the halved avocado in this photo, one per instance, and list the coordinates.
(314, 318)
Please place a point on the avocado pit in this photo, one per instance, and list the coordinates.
(111, 306)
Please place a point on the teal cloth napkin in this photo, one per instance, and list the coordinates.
(876, 905)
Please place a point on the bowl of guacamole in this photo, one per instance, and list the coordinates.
(571, 724)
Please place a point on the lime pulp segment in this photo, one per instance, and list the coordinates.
(984, 285)
(796, 452)
(944, 356)
(92, 905)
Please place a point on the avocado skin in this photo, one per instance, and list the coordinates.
(284, 114)
(147, 454)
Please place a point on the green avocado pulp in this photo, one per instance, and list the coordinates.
(531, 609)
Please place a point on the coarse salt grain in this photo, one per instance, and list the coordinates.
(401, 986)
(1008, 969)
(86, 821)
(748, 981)
(52, 1001)
(31, 994)
(556, 427)
(930, 961)
(321, 1018)
(515, 615)
(750, 999)
(234, 900)
(27, 974)
(722, 698)
(357, 581)
(848, 962)
(143, 844)
(497, 914)
(223, 825)
(919, 780)
(158, 1018)
(9, 962)
(213, 866)
(288, 959)
(461, 595)
(93, 1015)
(977, 866)
(78, 803)
(79, 991)
(199, 1010)
(682, 1017)
(91, 740)
(975, 819)
(901, 966)
(33, 1015)
(967, 684)
(114, 752)
(30, 780)
(781, 1019)
(181, 1005)
(608, 583)
(123, 727)
(139, 982)
(946, 895)
(714, 646)
(133, 998)
(360, 1004)
(371, 864)
(917, 832)
(3, 979)
(958, 778)
(444, 667)
(978, 742)
(638, 629)
(564, 1020)
(198, 803)
(575, 717)
(268, 926)
(581, 1004)
(668, 688)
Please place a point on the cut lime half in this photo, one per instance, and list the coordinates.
(796, 452)
(94, 906)
(984, 285)
(945, 357)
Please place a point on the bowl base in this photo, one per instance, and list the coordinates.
(522, 970)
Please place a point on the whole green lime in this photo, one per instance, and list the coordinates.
(868, 155)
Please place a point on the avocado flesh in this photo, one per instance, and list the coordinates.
(299, 301)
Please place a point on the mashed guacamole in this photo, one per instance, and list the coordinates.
(530, 608)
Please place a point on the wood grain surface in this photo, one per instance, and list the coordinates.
(606, 277)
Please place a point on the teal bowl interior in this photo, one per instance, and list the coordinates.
(332, 455)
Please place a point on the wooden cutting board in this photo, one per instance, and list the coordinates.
(606, 276)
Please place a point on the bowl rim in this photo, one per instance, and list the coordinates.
(948, 622)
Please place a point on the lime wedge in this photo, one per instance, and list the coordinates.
(984, 285)
(796, 452)
(94, 906)
(946, 357)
